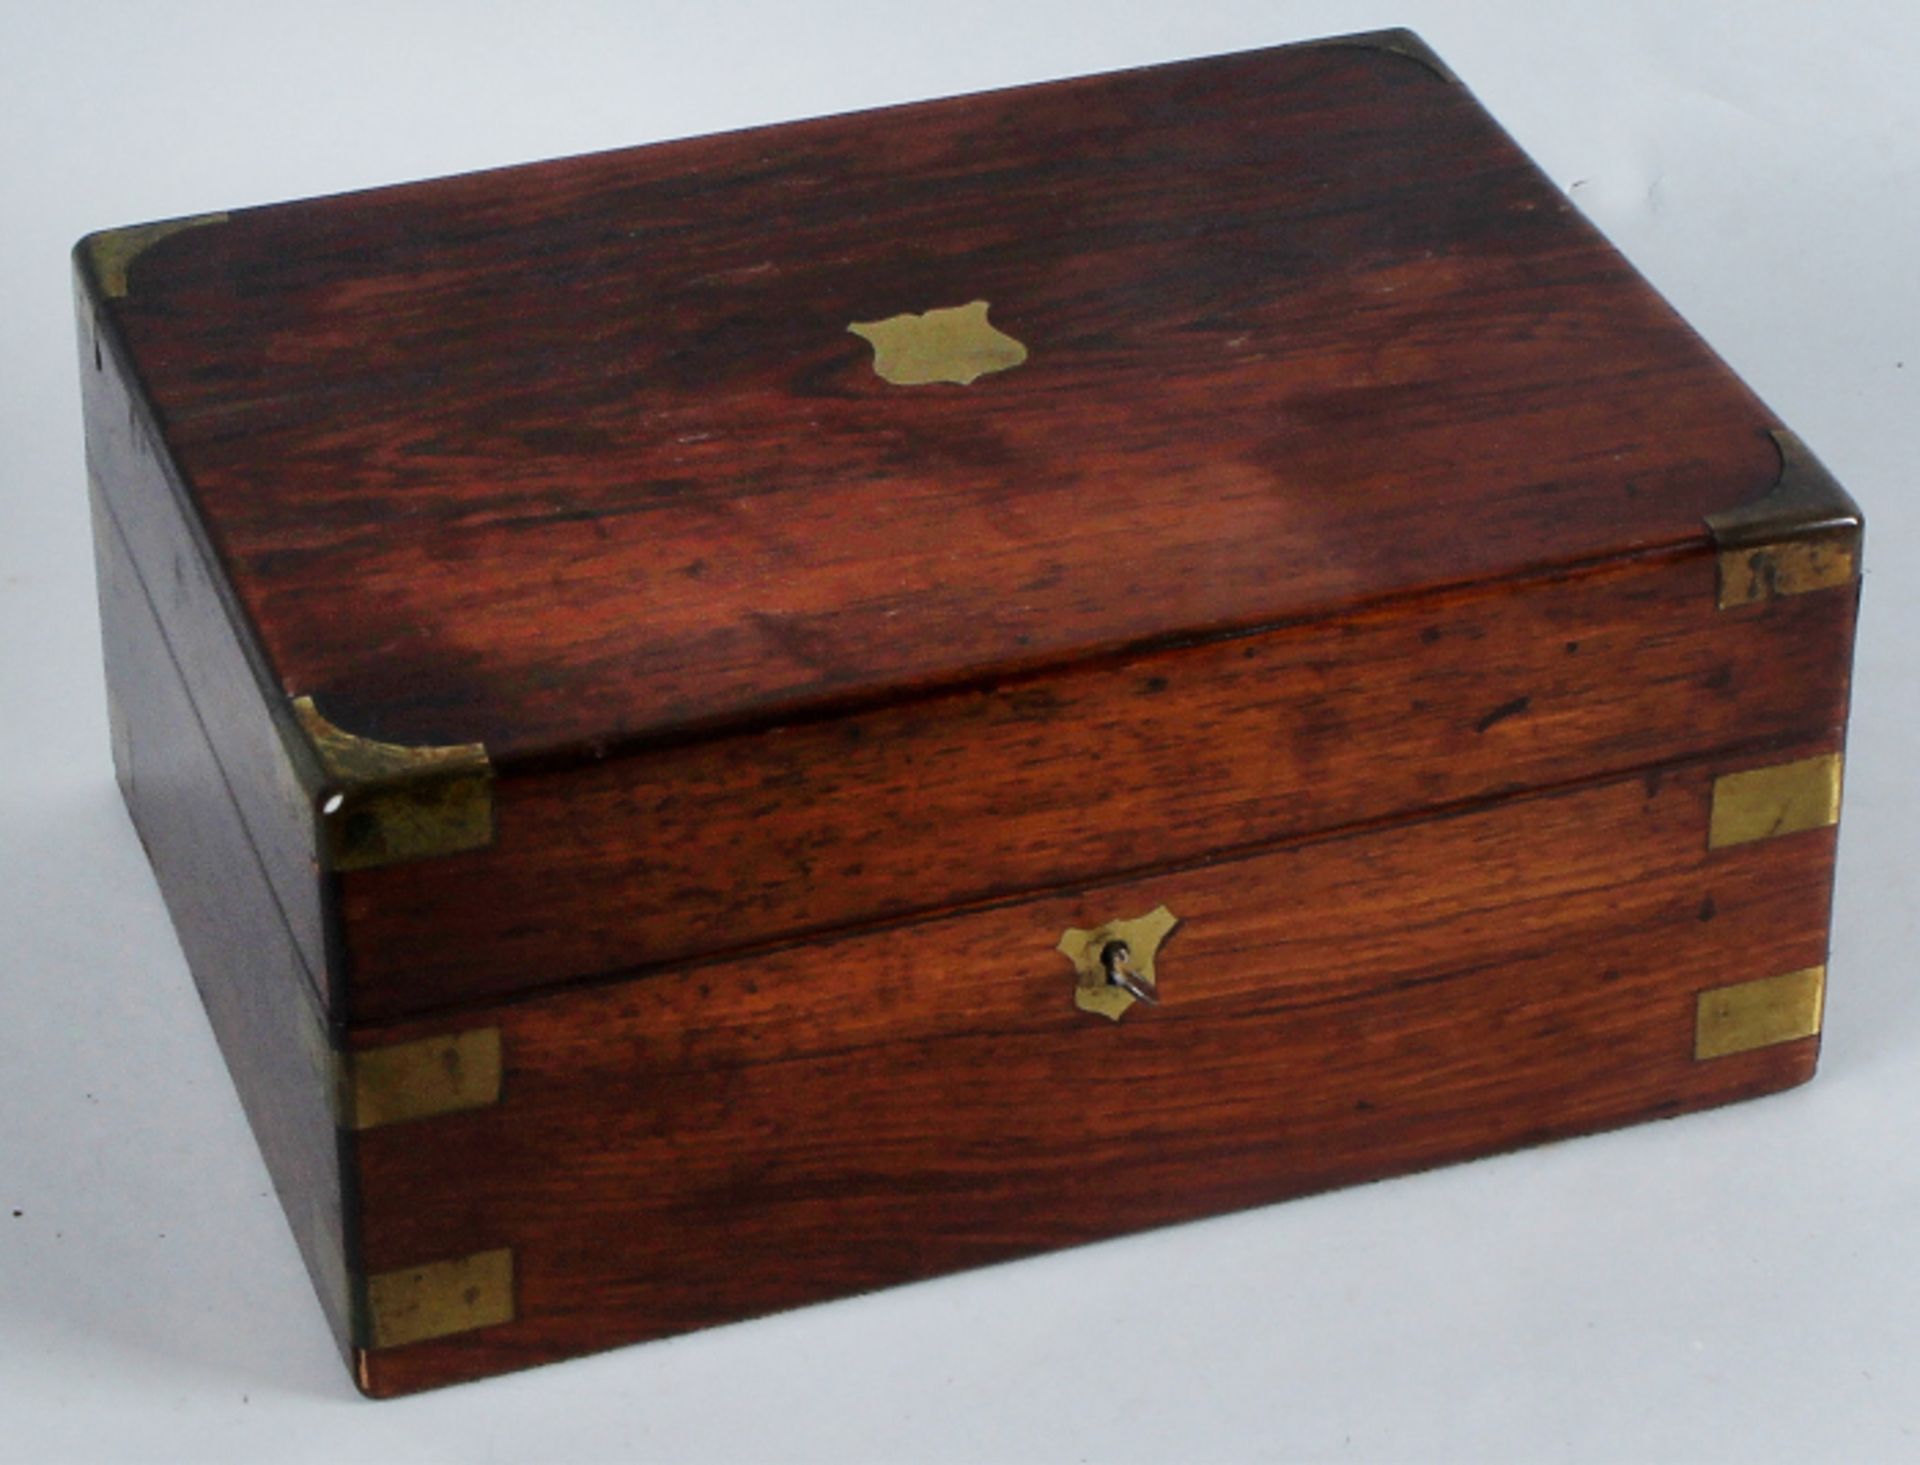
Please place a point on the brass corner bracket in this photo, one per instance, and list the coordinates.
(420, 1079)
(1803, 534)
(1759, 1014)
(382, 803)
(1780, 798)
(1398, 41)
(110, 253)
(415, 1304)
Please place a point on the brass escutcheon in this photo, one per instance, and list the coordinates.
(956, 345)
(1113, 963)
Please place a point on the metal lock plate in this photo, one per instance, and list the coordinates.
(1113, 963)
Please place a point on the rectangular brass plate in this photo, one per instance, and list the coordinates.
(457, 1296)
(1791, 567)
(1759, 1014)
(440, 1075)
(1782, 799)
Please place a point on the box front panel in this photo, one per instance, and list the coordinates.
(1138, 763)
(729, 1139)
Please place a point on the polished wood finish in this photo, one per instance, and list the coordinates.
(565, 458)
(246, 964)
(1131, 764)
(765, 1131)
(486, 460)
(1333, 571)
(248, 727)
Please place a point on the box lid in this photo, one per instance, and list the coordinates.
(729, 541)
(564, 457)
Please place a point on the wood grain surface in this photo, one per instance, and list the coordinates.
(247, 725)
(1137, 763)
(761, 1132)
(246, 964)
(1332, 570)
(570, 457)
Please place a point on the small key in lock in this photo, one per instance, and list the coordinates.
(1116, 958)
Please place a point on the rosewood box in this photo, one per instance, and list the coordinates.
(733, 722)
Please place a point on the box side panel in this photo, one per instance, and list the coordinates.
(250, 973)
(1138, 763)
(263, 763)
(756, 1133)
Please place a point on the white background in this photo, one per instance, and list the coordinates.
(1742, 1285)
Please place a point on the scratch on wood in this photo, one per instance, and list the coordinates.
(1501, 713)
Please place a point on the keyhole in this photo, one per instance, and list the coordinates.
(1116, 957)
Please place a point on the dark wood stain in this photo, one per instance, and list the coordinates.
(1501, 713)
(1306, 330)
(809, 828)
(1333, 572)
(761, 1132)
(246, 964)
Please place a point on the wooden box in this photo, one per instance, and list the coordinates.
(733, 722)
